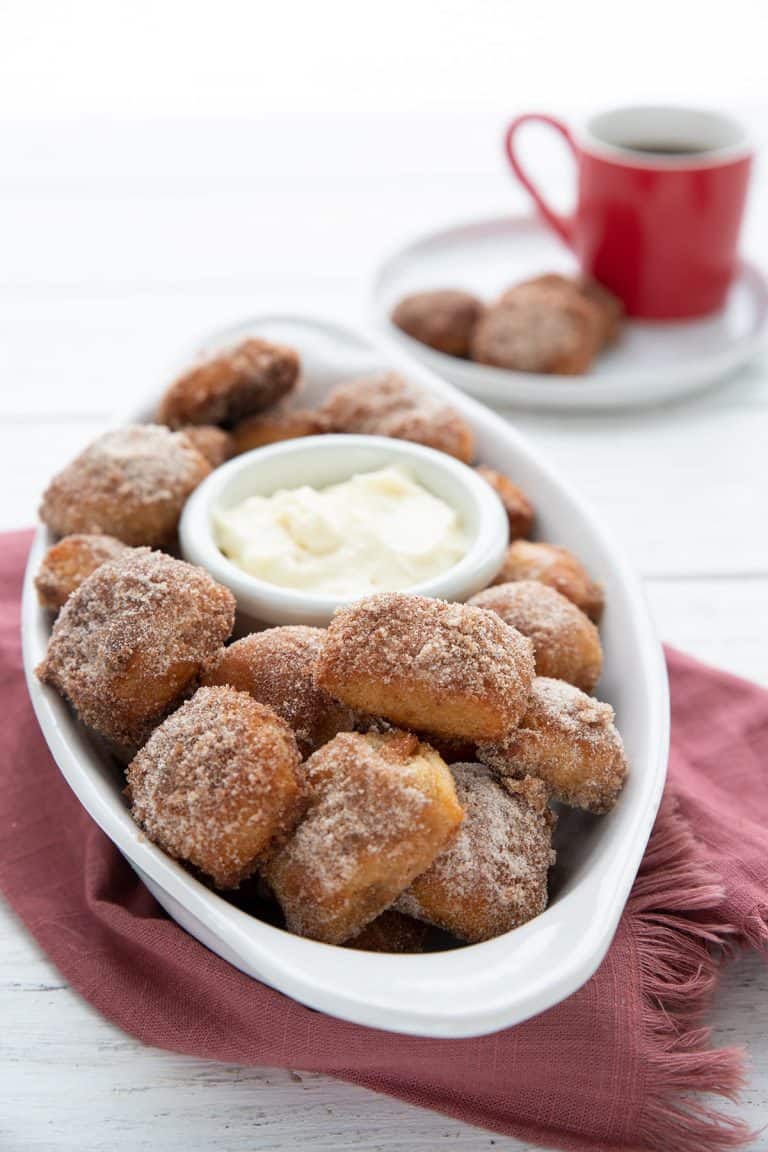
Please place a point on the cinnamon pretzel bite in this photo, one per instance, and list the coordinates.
(381, 807)
(218, 784)
(451, 669)
(566, 644)
(568, 740)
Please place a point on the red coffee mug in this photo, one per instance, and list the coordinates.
(660, 200)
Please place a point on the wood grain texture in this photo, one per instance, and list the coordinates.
(119, 246)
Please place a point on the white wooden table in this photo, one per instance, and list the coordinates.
(120, 242)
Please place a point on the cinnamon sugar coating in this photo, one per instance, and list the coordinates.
(131, 483)
(216, 445)
(517, 506)
(558, 568)
(492, 877)
(69, 562)
(277, 668)
(387, 405)
(608, 310)
(535, 329)
(391, 932)
(381, 808)
(227, 386)
(443, 319)
(451, 669)
(566, 643)
(131, 641)
(273, 427)
(556, 291)
(568, 740)
(218, 784)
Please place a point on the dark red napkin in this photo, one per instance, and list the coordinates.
(610, 1068)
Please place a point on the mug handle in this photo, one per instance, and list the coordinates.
(563, 225)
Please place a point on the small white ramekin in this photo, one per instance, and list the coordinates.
(322, 460)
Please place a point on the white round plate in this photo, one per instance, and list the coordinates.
(651, 363)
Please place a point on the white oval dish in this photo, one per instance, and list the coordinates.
(652, 363)
(319, 461)
(472, 990)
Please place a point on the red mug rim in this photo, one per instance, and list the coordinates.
(592, 144)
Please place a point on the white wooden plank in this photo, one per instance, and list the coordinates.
(722, 622)
(237, 201)
(680, 488)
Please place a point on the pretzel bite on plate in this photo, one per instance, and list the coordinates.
(216, 445)
(557, 567)
(229, 385)
(70, 561)
(387, 405)
(566, 644)
(608, 310)
(517, 506)
(451, 669)
(391, 932)
(381, 808)
(568, 740)
(272, 427)
(218, 784)
(132, 640)
(131, 483)
(277, 668)
(492, 877)
(443, 319)
(535, 329)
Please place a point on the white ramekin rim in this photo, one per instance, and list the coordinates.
(484, 519)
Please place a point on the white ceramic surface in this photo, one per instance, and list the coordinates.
(651, 363)
(470, 990)
(322, 460)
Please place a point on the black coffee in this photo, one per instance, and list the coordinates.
(667, 149)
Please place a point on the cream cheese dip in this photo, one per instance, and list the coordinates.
(379, 531)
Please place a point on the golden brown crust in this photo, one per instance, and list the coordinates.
(558, 568)
(273, 427)
(492, 877)
(227, 386)
(131, 641)
(443, 319)
(391, 932)
(218, 784)
(450, 669)
(568, 740)
(277, 668)
(387, 405)
(131, 483)
(381, 807)
(538, 329)
(216, 445)
(566, 643)
(518, 507)
(69, 562)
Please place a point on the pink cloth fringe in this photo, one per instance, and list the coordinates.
(679, 952)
